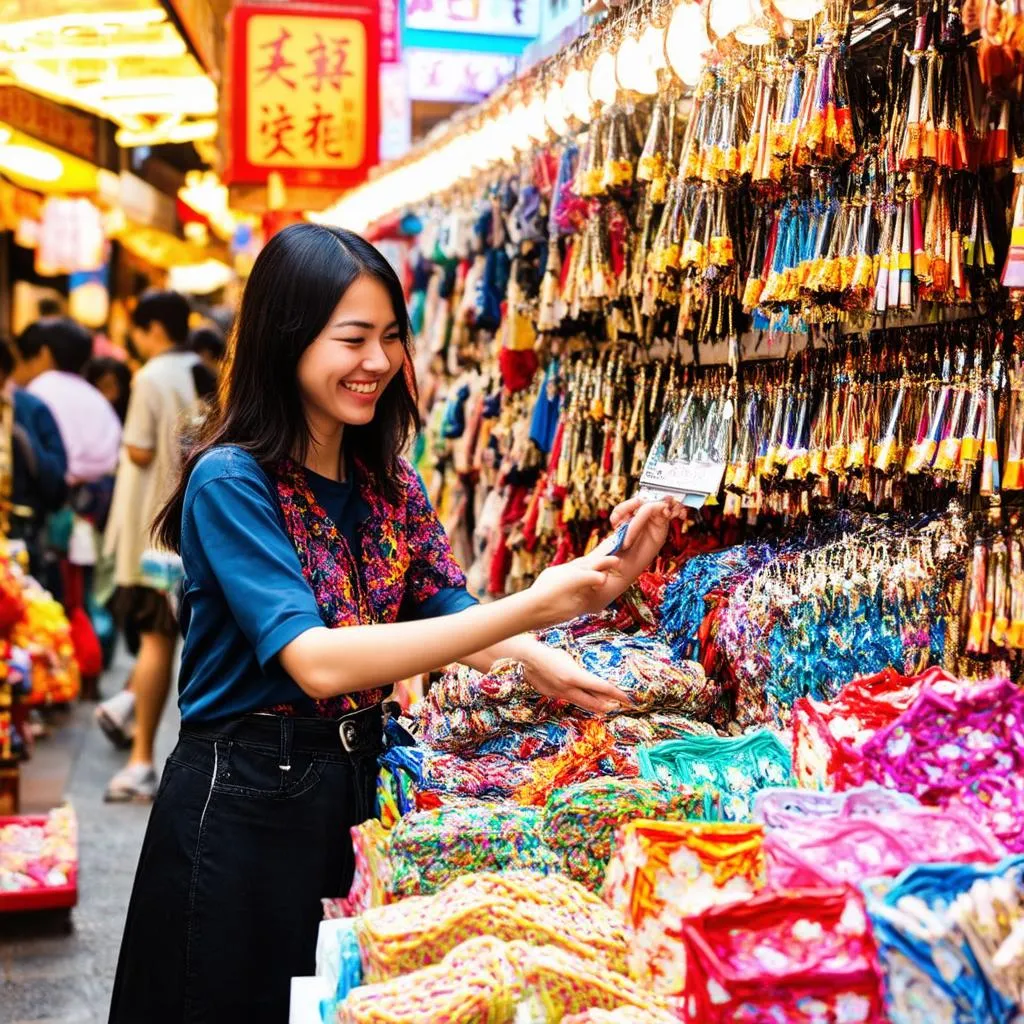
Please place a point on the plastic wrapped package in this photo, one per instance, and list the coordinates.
(734, 767)
(661, 872)
(474, 984)
(579, 822)
(960, 749)
(949, 938)
(540, 909)
(487, 981)
(827, 735)
(371, 880)
(622, 1015)
(338, 960)
(801, 956)
(428, 849)
(558, 983)
(845, 850)
(779, 808)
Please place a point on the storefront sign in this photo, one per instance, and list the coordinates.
(395, 112)
(448, 76)
(519, 18)
(390, 33)
(49, 122)
(302, 94)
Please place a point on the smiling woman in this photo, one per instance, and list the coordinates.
(316, 575)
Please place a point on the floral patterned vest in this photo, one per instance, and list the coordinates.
(406, 559)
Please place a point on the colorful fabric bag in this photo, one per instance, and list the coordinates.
(799, 957)
(736, 767)
(662, 872)
(960, 749)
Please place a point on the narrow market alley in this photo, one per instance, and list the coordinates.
(48, 973)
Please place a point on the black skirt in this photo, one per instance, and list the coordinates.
(249, 831)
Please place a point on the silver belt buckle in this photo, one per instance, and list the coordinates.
(349, 735)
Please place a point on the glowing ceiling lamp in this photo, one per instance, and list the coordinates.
(799, 10)
(687, 41)
(633, 71)
(602, 85)
(743, 18)
(554, 109)
(576, 95)
(30, 162)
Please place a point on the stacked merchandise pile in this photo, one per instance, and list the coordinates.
(37, 666)
(38, 861)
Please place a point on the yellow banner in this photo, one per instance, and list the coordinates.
(306, 88)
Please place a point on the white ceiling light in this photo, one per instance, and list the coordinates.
(554, 109)
(687, 41)
(601, 84)
(799, 10)
(576, 93)
(29, 162)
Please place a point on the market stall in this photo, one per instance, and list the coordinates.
(764, 259)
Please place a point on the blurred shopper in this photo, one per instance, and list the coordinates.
(39, 463)
(113, 379)
(50, 356)
(209, 344)
(163, 395)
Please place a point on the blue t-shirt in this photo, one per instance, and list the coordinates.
(244, 595)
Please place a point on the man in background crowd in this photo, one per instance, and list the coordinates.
(38, 462)
(164, 394)
(50, 356)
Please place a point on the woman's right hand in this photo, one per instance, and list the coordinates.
(575, 588)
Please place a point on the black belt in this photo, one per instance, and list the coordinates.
(359, 732)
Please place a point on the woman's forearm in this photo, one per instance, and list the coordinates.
(328, 662)
(516, 648)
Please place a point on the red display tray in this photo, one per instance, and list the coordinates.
(45, 898)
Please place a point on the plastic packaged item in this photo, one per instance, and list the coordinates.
(959, 749)
(936, 965)
(801, 956)
(735, 767)
(846, 850)
(428, 849)
(779, 808)
(579, 822)
(515, 905)
(661, 872)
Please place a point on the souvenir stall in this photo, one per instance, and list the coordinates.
(38, 854)
(768, 260)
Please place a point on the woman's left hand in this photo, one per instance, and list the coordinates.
(554, 673)
(645, 537)
(648, 529)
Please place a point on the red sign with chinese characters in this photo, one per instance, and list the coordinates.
(390, 33)
(303, 94)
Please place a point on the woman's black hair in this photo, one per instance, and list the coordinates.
(297, 281)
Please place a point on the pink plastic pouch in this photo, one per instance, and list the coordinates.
(848, 850)
(778, 808)
(964, 749)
